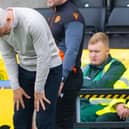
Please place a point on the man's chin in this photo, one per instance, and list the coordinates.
(50, 5)
(95, 63)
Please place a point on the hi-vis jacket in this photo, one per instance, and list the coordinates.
(122, 83)
(99, 76)
(103, 76)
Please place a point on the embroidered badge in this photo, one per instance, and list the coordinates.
(57, 19)
(76, 15)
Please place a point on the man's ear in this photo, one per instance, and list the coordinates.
(65, 1)
(9, 15)
(5, 127)
(8, 19)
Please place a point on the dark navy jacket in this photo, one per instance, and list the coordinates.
(67, 27)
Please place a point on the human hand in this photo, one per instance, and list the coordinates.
(40, 99)
(18, 98)
(60, 88)
(122, 111)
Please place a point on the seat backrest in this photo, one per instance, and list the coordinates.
(94, 21)
(46, 12)
(118, 27)
(94, 17)
(118, 20)
(89, 3)
(120, 3)
(119, 17)
(113, 4)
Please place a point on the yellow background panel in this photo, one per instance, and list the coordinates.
(6, 107)
(3, 73)
(121, 54)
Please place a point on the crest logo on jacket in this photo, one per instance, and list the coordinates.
(76, 15)
(57, 19)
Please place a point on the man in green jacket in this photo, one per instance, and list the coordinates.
(102, 72)
(118, 109)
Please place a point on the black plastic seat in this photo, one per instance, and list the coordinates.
(120, 3)
(89, 3)
(94, 13)
(117, 26)
(46, 12)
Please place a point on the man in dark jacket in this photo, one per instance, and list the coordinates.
(67, 27)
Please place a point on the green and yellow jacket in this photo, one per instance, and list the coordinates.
(122, 83)
(104, 75)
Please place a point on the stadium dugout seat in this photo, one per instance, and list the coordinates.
(117, 26)
(116, 3)
(94, 21)
(46, 12)
(94, 13)
(120, 3)
(89, 3)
